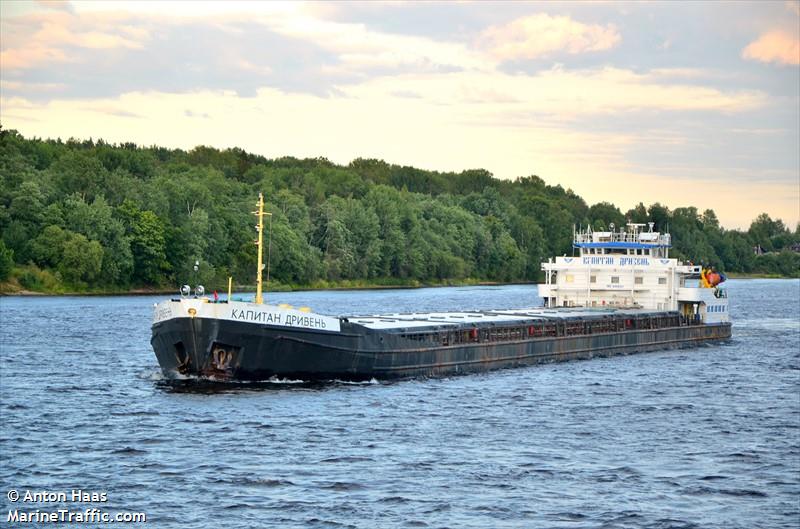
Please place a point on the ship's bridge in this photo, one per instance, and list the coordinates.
(634, 240)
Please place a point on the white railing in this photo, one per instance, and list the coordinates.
(662, 239)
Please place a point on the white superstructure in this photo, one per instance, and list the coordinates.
(631, 268)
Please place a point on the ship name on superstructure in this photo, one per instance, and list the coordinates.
(623, 261)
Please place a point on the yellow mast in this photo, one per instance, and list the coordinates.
(260, 228)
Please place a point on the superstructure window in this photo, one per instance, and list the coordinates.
(614, 279)
(662, 280)
(592, 279)
(638, 280)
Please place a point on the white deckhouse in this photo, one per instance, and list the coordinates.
(630, 268)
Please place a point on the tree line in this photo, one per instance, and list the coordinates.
(89, 215)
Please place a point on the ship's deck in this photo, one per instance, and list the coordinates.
(497, 317)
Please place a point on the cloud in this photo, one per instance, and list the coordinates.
(161, 54)
(59, 5)
(190, 114)
(408, 94)
(29, 88)
(542, 35)
(102, 53)
(53, 36)
(776, 46)
(359, 48)
(112, 110)
(499, 98)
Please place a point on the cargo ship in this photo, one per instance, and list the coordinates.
(620, 293)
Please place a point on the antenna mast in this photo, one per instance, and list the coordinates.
(260, 227)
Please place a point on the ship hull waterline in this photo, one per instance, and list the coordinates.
(241, 351)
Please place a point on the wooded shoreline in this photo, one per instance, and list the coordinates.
(85, 216)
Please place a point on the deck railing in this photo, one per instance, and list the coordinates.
(641, 237)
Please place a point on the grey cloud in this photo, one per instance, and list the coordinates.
(239, 56)
(189, 114)
(20, 117)
(730, 149)
(183, 58)
(437, 20)
(708, 145)
(407, 94)
(124, 114)
(56, 5)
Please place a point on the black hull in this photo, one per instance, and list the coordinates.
(232, 350)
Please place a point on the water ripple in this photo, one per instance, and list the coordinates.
(702, 438)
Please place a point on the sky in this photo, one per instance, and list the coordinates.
(686, 104)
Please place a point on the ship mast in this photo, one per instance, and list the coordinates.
(260, 227)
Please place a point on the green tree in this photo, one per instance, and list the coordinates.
(639, 215)
(47, 249)
(348, 234)
(603, 214)
(81, 260)
(96, 220)
(24, 218)
(78, 172)
(771, 235)
(387, 203)
(6, 261)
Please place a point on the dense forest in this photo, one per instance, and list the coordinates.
(90, 216)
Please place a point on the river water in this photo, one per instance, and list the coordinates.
(707, 437)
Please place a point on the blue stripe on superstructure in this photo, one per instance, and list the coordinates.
(620, 245)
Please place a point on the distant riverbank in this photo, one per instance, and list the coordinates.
(741, 275)
(13, 288)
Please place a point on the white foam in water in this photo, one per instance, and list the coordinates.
(154, 374)
(355, 383)
(274, 379)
